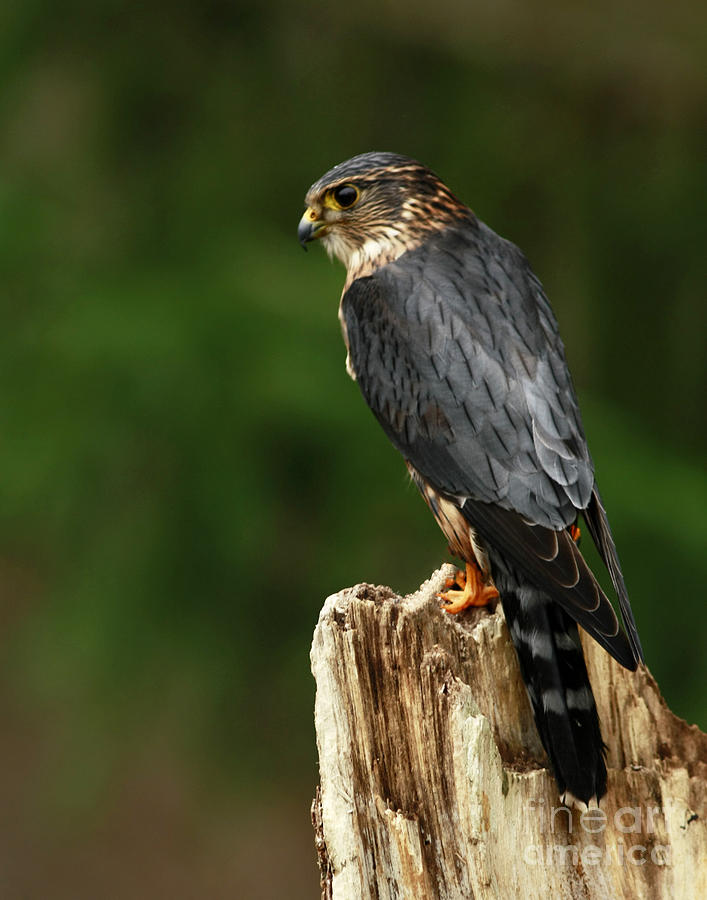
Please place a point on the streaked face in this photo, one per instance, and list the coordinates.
(351, 211)
(372, 204)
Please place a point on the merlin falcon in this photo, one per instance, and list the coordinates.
(457, 352)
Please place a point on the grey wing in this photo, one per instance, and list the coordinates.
(458, 354)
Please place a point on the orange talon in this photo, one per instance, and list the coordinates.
(575, 533)
(474, 590)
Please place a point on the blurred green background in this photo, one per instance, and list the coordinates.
(187, 471)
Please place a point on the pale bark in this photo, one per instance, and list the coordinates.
(433, 782)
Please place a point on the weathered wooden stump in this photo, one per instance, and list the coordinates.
(434, 784)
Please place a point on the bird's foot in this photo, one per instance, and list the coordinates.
(474, 590)
(575, 533)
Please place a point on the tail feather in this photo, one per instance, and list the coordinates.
(555, 674)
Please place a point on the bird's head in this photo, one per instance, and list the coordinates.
(375, 207)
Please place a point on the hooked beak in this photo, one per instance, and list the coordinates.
(310, 227)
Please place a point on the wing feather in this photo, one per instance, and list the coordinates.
(487, 354)
(456, 350)
(564, 576)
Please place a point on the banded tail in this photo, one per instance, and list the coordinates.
(555, 675)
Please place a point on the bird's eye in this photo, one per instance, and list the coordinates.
(345, 196)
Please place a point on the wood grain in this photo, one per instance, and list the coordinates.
(433, 781)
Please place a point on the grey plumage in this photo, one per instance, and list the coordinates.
(484, 348)
(456, 350)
